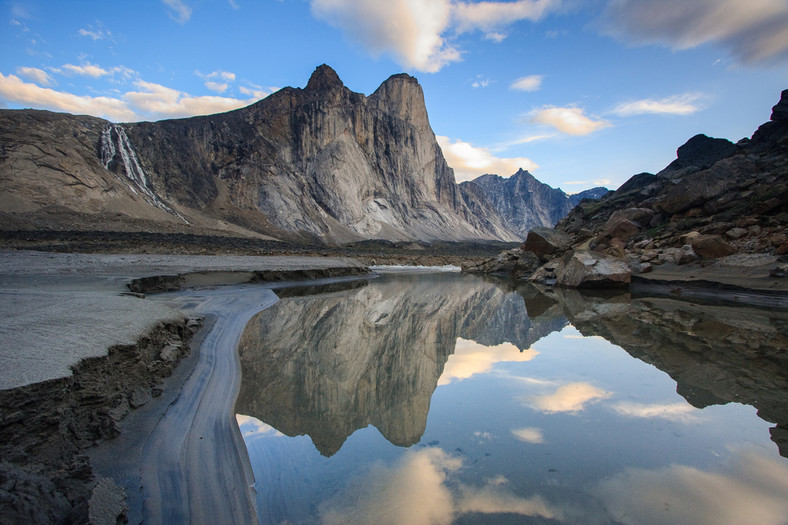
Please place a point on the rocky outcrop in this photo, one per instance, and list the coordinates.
(522, 201)
(585, 269)
(716, 201)
(47, 429)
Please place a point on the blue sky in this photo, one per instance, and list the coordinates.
(581, 93)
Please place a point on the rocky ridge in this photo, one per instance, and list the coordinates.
(320, 163)
(521, 200)
(719, 209)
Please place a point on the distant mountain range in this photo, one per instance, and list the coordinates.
(320, 163)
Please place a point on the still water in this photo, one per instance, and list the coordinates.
(447, 398)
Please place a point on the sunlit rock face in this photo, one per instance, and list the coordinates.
(316, 162)
(716, 354)
(522, 201)
(330, 364)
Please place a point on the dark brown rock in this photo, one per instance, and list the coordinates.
(546, 242)
(711, 247)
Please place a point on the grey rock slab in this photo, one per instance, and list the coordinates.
(44, 333)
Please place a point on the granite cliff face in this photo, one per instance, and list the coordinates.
(320, 162)
(521, 200)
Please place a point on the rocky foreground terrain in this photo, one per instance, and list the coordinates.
(719, 212)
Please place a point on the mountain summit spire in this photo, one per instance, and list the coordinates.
(324, 78)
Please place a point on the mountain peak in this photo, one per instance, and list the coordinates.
(780, 111)
(324, 78)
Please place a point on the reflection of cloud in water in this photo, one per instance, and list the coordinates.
(529, 434)
(751, 489)
(251, 426)
(569, 398)
(471, 358)
(682, 412)
(416, 491)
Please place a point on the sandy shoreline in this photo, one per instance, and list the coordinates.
(64, 312)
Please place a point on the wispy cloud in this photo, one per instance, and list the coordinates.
(39, 76)
(529, 83)
(14, 89)
(86, 69)
(683, 412)
(569, 398)
(178, 10)
(422, 487)
(419, 34)
(470, 161)
(570, 120)
(147, 101)
(471, 358)
(685, 104)
(529, 435)
(95, 33)
(754, 31)
(749, 488)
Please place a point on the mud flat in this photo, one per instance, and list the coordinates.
(86, 363)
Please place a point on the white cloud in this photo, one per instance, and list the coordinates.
(676, 105)
(569, 120)
(492, 16)
(257, 92)
(495, 37)
(13, 89)
(471, 358)
(160, 101)
(529, 435)
(754, 31)
(470, 161)
(589, 183)
(749, 489)
(481, 82)
(529, 83)
(410, 31)
(218, 87)
(94, 33)
(87, 69)
(217, 75)
(416, 491)
(179, 11)
(417, 33)
(150, 101)
(39, 76)
(569, 398)
(682, 412)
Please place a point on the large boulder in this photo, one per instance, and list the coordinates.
(712, 246)
(586, 269)
(546, 242)
(621, 228)
(700, 152)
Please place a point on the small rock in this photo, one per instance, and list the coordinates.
(735, 233)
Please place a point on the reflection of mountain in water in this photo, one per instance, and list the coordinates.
(327, 365)
(716, 354)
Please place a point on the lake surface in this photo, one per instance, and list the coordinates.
(448, 398)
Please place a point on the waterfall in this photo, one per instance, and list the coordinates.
(114, 141)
